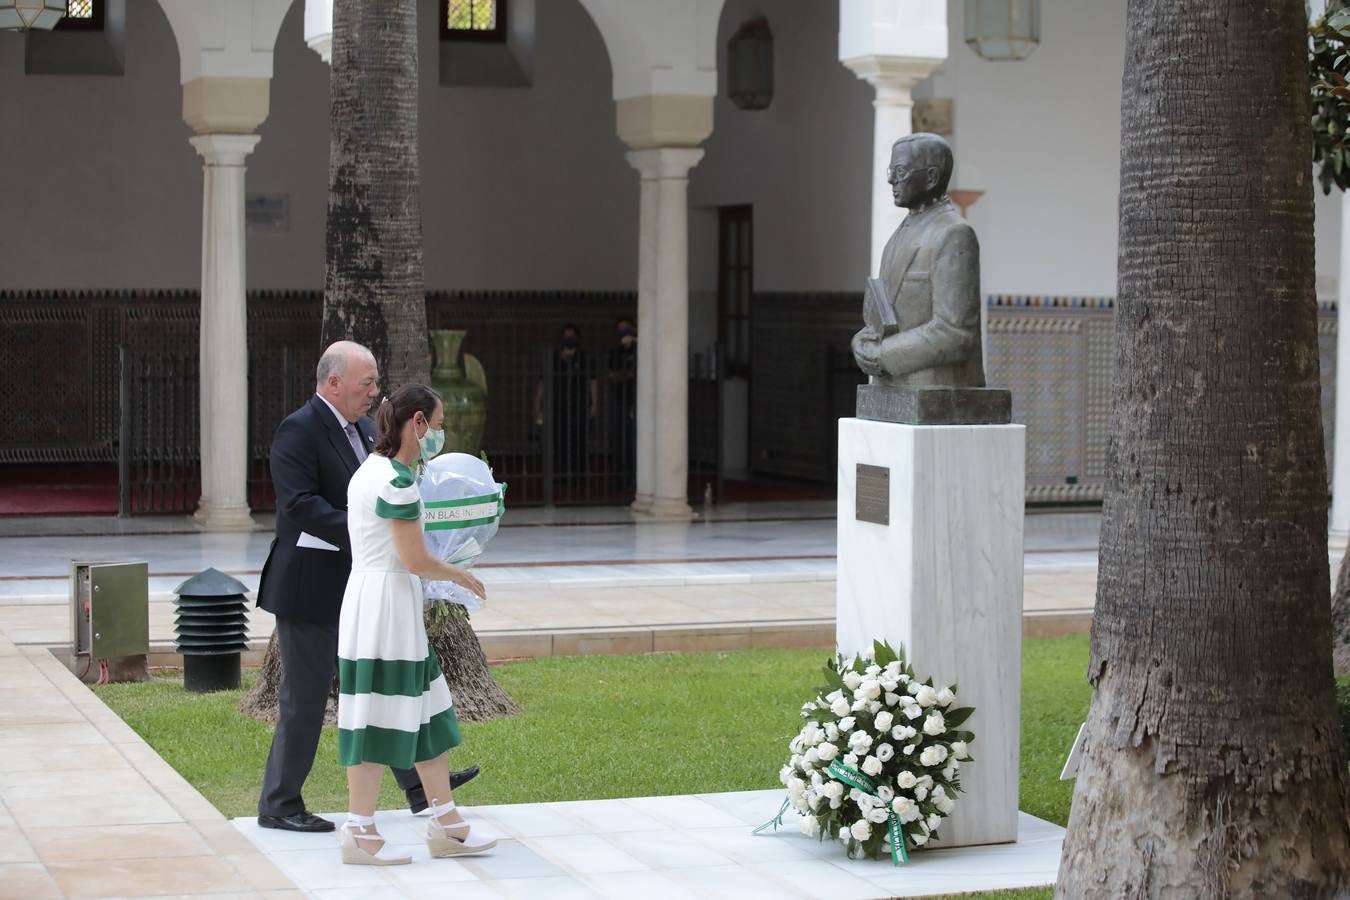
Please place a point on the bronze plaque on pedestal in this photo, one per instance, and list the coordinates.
(872, 502)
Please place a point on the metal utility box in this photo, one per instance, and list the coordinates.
(109, 609)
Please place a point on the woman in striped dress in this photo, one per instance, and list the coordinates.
(395, 708)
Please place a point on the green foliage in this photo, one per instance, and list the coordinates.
(1329, 72)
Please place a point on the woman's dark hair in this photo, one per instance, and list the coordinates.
(396, 410)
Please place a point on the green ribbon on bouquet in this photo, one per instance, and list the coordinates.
(895, 832)
(776, 820)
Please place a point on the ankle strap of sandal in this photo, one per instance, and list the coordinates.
(439, 809)
(355, 821)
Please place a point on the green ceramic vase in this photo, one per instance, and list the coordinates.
(463, 390)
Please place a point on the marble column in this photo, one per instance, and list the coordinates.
(663, 338)
(1340, 460)
(645, 451)
(893, 79)
(224, 335)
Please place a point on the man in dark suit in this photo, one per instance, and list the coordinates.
(314, 454)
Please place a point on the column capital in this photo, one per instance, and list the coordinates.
(893, 77)
(224, 149)
(664, 120)
(655, 163)
(216, 105)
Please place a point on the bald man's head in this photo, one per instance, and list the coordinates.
(348, 378)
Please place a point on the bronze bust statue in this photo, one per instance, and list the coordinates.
(922, 312)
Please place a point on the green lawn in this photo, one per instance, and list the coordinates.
(607, 726)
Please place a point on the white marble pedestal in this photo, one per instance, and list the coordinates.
(944, 578)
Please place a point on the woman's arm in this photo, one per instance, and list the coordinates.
(412, 551)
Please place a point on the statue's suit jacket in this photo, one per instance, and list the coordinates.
(931, 272)
(312, 461)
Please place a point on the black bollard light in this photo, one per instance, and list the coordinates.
(212, 630)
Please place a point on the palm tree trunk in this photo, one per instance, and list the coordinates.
(374, 291)
(1213, 765)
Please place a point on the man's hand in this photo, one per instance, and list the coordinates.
(867, 352)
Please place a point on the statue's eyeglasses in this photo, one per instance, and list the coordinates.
(896, 173)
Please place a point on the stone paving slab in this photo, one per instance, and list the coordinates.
(654, 847)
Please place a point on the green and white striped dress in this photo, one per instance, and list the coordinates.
(395, 707)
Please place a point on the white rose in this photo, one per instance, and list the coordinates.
(861, 800)
(796, 745)
(883, 722)
(939, 791)
(833, 696)
(874, 707)
(959, 749)
(902, 678)
(891, 698)
(919, 839)
(860, 742)
(812, 733)
(847, 723)
(785, 773)
(852, 680)
(796, 784)
(812, 756)
(808, 825)
(934, 724)
(861, 830)
(843, 834)
(945, 697)
(926, 696)
(933, 755)
(860, 704)
(840, 707)
(920, 793)
(834, 790)
(913, 711)
(851, 760)
(885, 794)
(871, 690)
(909, 750)
(877, 815)
(945, 805)
(795, 761)
(872, 765)
(906, 780)
(873, 669)
(827, 752)
(949, 772)
(927, 781)
(933, 821)
(912, 686)
(905, 808)
(885, 752)
(893, 668)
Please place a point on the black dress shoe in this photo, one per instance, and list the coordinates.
(417, 797)
(301, 821)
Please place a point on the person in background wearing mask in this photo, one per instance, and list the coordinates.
(575, 401)
(622, 379)
(314, 453)
(395, 708)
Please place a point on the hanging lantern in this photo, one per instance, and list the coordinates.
(750, 65)
(1003, 29)
(20, 15)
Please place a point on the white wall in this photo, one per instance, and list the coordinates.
(522, 188)
(528, 188)
(803, 161)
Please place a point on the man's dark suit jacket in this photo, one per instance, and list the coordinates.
(312, 461)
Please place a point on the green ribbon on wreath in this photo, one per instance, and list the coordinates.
(895, 832)
(776, 820)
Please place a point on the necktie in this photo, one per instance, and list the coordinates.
(354, 438)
